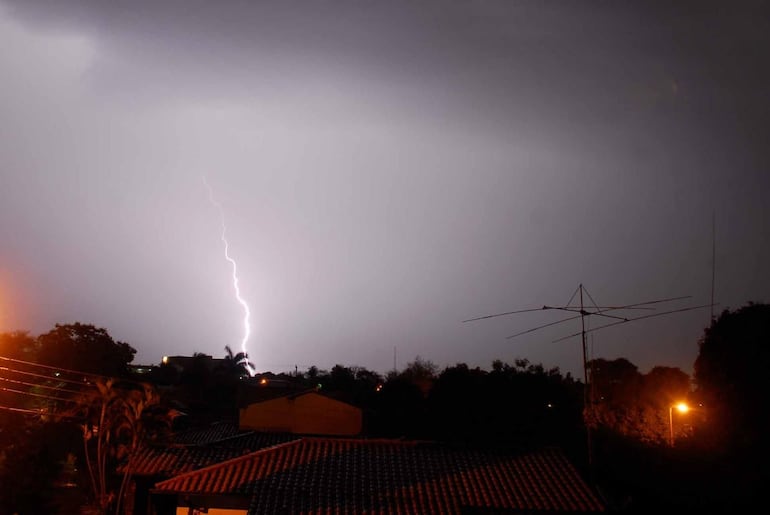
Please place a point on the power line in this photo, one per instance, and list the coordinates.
(71, 371)
(39, 395)
(50, 367)
(21, 410)
(87, 393)
(40, 412)
(58, 389)
(49, 378)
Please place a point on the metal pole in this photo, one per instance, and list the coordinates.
(587, 397)
(713, 259)
(671, 426)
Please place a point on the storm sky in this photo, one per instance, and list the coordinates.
(386, 170)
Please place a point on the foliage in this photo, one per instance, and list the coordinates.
(632, 404)
(399, 409)
(31, 460)
(511, 405)
(195, 381)
(733, 359)
(355, 385)
(85, 348)
(421, 373)
(117, 419)
(17, 345)
(236, 366)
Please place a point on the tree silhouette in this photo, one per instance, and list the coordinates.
(236, 365)
(632, 404)
(85, 348)
(117, 419)
(730, 374)
(18, 345)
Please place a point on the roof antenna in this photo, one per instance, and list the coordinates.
(713, 259)
(582, 311)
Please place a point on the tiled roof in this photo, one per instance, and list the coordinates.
(216, 445)
(205, 435)
(315, 475)
(156, 461)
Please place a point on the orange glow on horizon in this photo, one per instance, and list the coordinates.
(11, 300)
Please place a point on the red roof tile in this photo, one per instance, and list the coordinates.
(205, 435)
(177, 458)
(313, 475)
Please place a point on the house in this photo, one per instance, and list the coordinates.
(182, 363)
(354, 476)
(306, 412)
(191, 450)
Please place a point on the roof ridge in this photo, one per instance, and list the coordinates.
(541, 478)
(229, 462)
(370, 441)
(297, 441)
(226, 438)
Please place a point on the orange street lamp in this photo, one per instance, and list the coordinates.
(682, 408)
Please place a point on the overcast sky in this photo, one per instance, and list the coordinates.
(385, 170)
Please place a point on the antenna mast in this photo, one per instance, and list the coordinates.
(587, 397)
(713, 259)
(594, 310)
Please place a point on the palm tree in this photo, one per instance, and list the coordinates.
(236, 365)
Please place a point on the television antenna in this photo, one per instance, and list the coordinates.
(582, 312)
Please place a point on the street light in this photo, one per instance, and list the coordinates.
(682, 408)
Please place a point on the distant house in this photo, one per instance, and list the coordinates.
(182, 363)
(353, 476)
(141, 369)
(307, 412)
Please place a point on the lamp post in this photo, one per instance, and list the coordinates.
(682, 408)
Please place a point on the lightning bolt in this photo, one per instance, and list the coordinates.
(241, 301)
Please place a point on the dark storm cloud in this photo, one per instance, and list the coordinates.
(559, 66)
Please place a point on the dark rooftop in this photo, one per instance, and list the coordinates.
(313, 475)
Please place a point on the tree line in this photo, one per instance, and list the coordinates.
(46, 437)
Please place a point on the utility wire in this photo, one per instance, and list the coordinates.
(70, 371)
(40, 412)
(40, 395)
(22, 410)
(58, 389)
(49, 378)
(50, 367)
